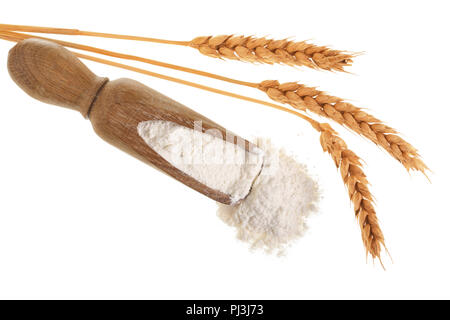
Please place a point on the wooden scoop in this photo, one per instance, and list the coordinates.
(52, 74)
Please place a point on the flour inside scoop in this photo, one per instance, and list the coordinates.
(218, 164)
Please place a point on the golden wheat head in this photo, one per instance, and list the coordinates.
(263, 50)
(350, 167)
(346, 114)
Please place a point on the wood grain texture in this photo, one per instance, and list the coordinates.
(52, 74)
(124, 103)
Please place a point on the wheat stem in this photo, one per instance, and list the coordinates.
(172, 79)
(243, 48)
(76, 32)
(22, 36)
(300, 97)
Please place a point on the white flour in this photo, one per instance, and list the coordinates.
(218, 164)
(276, 210)
(282, 196)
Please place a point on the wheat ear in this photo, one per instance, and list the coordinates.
(244, 48)
(252, 49)
(356, 182)
(346, 114)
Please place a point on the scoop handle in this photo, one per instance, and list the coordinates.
(52, 74)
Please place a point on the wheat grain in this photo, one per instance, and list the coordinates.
(346, 114)
(349, 165)
(263, 50)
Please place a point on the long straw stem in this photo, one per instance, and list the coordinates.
(11, 37)
(114, 54)
(77, 32)
(233, 47)
(189, 83)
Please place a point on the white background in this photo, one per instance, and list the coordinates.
(80, 219)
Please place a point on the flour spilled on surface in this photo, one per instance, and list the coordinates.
(276, 211)
(282, 194)
(218, 164)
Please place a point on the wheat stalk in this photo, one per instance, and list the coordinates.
(356, 182)
(299, 96)
(263, 50)
(22, 36)
(244, 48)
(346, 114)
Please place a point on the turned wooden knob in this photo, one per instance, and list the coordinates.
(52, 74)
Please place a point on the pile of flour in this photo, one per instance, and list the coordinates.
(275, 212)
(282, 194)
